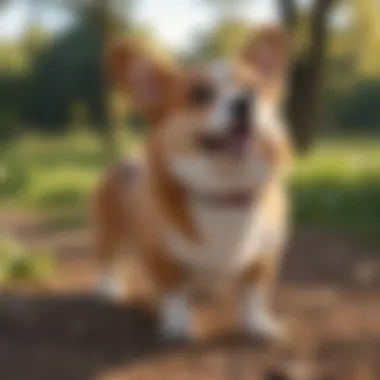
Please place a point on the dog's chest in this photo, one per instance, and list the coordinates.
(230, 237)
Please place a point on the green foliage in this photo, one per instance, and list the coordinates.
(19, 264)
(12, 100)
(359, 107)
(223, 41)
(52, 172)
(353, 71)
(69, 70)
(14, 176)
(336, 188)
(224, 9)
(43, 80)
(367, 38)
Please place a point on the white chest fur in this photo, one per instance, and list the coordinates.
(231, 237)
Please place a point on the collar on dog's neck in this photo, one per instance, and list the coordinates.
(228, 199)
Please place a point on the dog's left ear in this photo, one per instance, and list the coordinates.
(151, 83)
(268, 53)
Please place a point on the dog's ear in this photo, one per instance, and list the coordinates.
(268, 52)
(151, 83)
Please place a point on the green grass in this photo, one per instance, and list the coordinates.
(336, 187)
(51, 173)
(17, 263)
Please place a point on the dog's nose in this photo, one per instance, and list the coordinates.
(240, 108)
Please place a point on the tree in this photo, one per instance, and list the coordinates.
(226, 9)
(367, 36)
(106, 18)
(74, 62)
(224, 40)
(53, 73)
(306, 78)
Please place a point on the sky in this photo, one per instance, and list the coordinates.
(173, 21)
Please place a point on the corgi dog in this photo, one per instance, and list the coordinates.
(205, 211)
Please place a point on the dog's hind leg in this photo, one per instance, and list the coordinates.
(109, 286)
(110, 233)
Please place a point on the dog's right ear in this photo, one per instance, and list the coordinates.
(268, 53)
(151, 83)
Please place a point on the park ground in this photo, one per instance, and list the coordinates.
(329, 290)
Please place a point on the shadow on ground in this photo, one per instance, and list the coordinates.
(69, 338)
(329, 296)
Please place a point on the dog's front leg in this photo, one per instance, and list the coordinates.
(257, 315)
(203, 311)
(175, 317)
(171, 304)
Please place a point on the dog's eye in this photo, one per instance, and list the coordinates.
(201, 94)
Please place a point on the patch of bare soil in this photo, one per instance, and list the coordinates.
(329, 295)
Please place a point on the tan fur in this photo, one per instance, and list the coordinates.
(170, 194)
(121, 213)
(135, 211)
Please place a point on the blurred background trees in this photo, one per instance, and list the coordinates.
(52, 84)
(48, 83)
(334, 81)
(64, 72)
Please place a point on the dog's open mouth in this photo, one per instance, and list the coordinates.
(236, 142)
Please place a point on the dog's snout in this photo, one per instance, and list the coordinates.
(211, 142)
(240, 108)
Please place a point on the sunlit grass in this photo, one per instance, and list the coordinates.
(336, 187)
(52, 172)
(18, 264)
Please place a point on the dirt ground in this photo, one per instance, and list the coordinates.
(329, 294)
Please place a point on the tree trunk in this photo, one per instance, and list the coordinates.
(288, 10)
(303, 107)
(100, 16)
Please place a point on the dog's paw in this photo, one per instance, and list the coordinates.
(259, 321)
(174, 318)
(265, 326)
(109, 288)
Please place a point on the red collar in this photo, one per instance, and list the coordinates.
(230, 199)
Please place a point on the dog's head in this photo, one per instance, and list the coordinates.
(217, 128)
